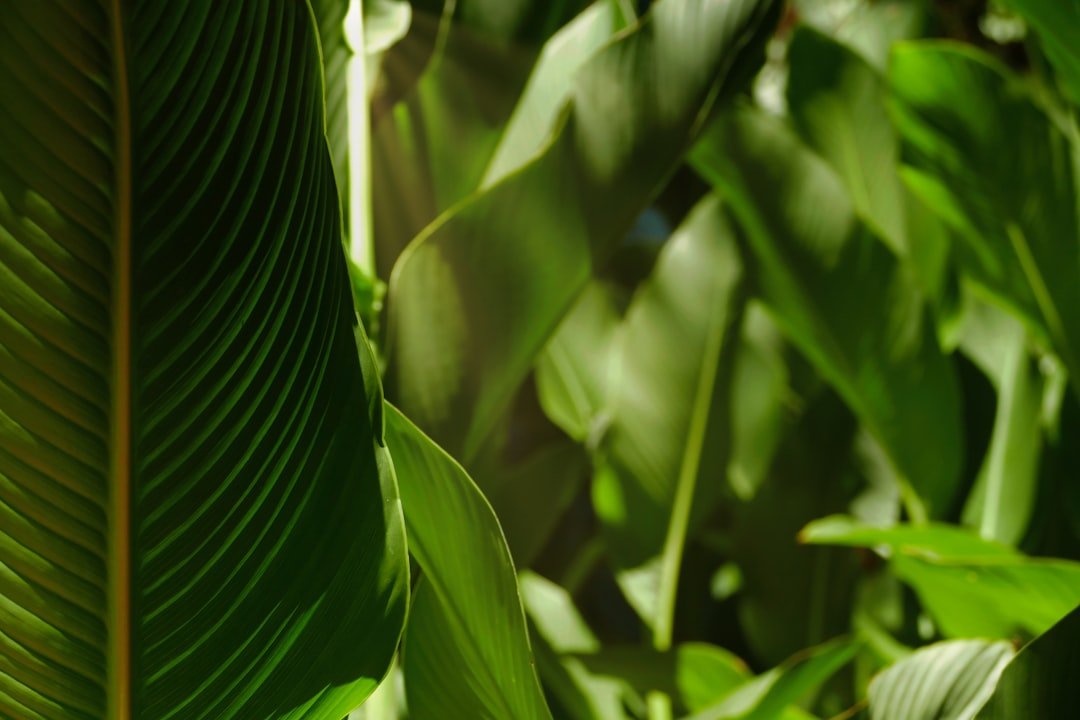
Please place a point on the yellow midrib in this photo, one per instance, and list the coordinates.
(118, 690)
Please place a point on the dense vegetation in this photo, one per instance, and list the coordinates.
(539, 359)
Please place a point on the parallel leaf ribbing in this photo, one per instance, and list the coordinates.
(56, 218)
(176, 330)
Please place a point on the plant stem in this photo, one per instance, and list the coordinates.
(361, 245)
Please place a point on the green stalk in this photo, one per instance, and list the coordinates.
(659, 705)
(361, 245)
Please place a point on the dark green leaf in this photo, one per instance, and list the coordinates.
(1040, 682)
(1013, 204)
(841, 296)
(198, 517)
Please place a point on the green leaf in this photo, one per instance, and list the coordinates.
(466, 644)
(1003, 499)
(494, 276)
(869, 27)
(970, 586)
(668, 443)
(336, 55)
(560, 631)
(1040, 680)
(945, 681)
(576, 371)
(837, 104)
(549, 87)
(1012, 204)
(766, 696)
(840, 295)
(385, 23)
(695, 675)
(534, 494)
(1058, 24)
(184, 417)
(759, 400)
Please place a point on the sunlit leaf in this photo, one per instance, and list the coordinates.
(479, 293)
(466, 644)
(971, 587)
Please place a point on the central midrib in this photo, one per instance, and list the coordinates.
(119, 683)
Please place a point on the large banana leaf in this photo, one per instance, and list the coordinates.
(841, 296)
(479, 292)
(197, 518)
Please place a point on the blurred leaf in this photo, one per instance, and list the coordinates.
(534, 494)
(577, 369)
(695, 675)
(561, 631)
(1058, 24)
(1012, 203)
(759, 401)
(385, 23)
(841, 296)
(479, 293)
(1040, 682)
(766, 696)
(335, 55)
(945, 681)
(1002, 501)
(667, 445)
(430, 150)
(970, 586)
(466, 644)
(869, 27)
(549, 87)
(811, 476)
(837, 104)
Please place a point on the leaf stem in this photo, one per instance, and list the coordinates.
(118, 694)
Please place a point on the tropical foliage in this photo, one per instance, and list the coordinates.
(539, 359)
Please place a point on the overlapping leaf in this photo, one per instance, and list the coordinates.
(184, 421)
(1013, 204)
(494, 277)
(668, 444)
(840, 295)
(1038, 683)
(970, 586)
(1058, 24)
(946, 681)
